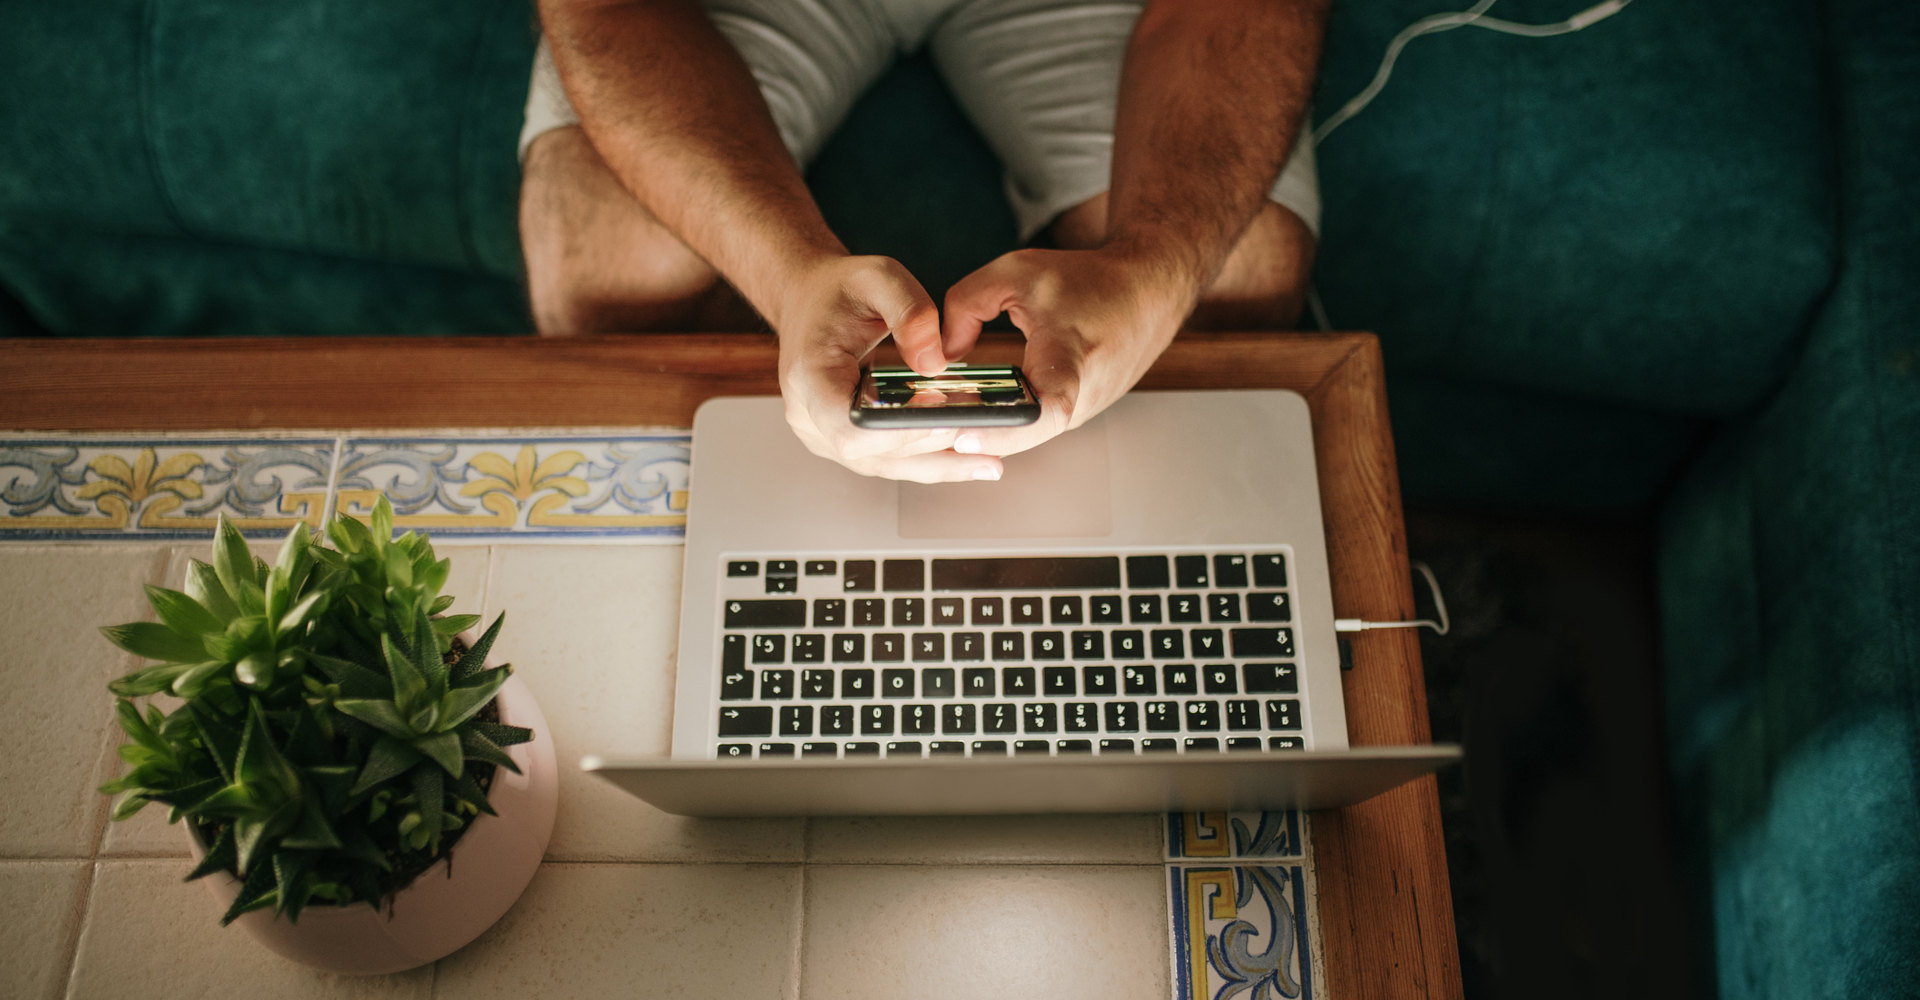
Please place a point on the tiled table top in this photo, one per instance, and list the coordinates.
(576, 537)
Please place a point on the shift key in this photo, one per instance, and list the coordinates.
(766, 614)
(1248, 642)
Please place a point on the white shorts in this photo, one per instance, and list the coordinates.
(1038, 78)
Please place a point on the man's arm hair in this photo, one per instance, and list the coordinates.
(1212, 97)
(675, 113)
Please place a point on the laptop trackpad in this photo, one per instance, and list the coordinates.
(1061, 489)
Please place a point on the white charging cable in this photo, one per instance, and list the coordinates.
(1439, 604)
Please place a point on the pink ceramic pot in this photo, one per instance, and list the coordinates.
(443, 909)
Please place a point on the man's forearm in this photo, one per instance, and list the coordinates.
(672, 109)
(1212, 96)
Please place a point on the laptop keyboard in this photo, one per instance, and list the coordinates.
(1147, 652)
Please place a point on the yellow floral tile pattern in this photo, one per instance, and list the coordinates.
(81, 488)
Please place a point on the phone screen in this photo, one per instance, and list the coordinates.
(962, 395)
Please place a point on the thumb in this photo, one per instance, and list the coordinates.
(909, 313)
(978, 298)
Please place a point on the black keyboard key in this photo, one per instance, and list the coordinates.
(810, 648)
(1270, 570)
(1169, 644)
(1075, 746)
(1041, 717)
(863, 749)
(783, 567)
(1207, 644)
(1089, 645)
(1243, 714)
(1144, 609)
(1122, 717)
(822, 567)
(856, 683)
(776, 749)
(1017, 682)
(1104, 609)
(796, 720)
(1009, 645)
(766, 614)
(746, 720)
(937, 682)
(1129, 644)
(947, 748)
(969, 646)
(1159, 746)
(1049, 646)
(1223, 607)
(783, 584)
(1182, 678)
(1229, 571)
(876, 720)
(1146, 572)
(1066, 610)
(836, 720)
(769, 649)
(1285, 743)
(1116, 746)
(909, 611)
(1183, 607)
(816, 683)
(1282, 713)
(829, 612)
(1027, 573)
(1268, 606)
(1058, 680)
(1027, 610)
(1242, 743)
(889, 647)
(1219, 678)
(956, 720)
(858, 576)
(870, 612)
(949, 611)
(917, 720)
(977, 682)
(1255, 642)
(988, 611)
(1203, 716)
(986, 747)
(819, 750)
(1202, 743)
(776, 685)
(905, 574)
(1099, 680)
(903, 748)
(896, 683)
(1162, 716)
(1190, 571)
(743, 567)
(929, 647)
(1271, 678)
(849, 647)
(1138, 680)
(733, 652)
(736, 685)
(997, 718)
(1080, 717)
(736, 750)
(1040, 747)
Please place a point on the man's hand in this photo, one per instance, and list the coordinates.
(834, 312)
(1094, 320)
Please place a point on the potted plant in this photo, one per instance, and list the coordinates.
(332, 740)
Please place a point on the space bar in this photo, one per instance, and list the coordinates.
(1027, 573)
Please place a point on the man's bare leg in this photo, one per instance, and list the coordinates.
(1263, 285)
(598, 261)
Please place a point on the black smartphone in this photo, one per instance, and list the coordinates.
(961, 396)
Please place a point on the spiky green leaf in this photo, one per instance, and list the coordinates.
(379, 713)
(298, 615)
(476, 657)
(156, 642)
(429, 792)
(478, 747)
(470, 696)
(256, 891)
(444, 748)
(502, 735)
(149, 680)
(451, 625)
(389, 759)
(408, 685)
(220, 857)
(182, 613)
(290, 870)
(382, 529)
(232, 563)
(470, 792)
(220, 736)
(204, 585)
(355, 680)
(255, 670)
(192, 681)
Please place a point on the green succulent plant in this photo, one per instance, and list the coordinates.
(331, 739)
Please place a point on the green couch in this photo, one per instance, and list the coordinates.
(1664, 265)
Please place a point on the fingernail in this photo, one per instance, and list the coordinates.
(969, 444)
(987, 473)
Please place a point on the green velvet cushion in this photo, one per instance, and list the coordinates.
(1638, 213)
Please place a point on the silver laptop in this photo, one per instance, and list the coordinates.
(1137, 616)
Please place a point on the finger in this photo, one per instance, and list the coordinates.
(909, 313)
(938, 467)
(978, 298)
(859, 443)
(1056, 379)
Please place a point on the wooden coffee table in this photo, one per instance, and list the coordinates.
(1385, 909)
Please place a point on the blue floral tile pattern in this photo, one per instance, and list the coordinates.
(1214, 835)
(1241, 932)
(549, 488)
(67, 488)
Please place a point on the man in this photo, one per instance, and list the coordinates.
(1142, 141)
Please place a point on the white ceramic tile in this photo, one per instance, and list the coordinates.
(54, 664)
(593, 632)
(148, 933)
(955, 840)
(43, 906)
(889, 931)
(691, 931)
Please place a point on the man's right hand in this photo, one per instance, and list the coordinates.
(833, 313)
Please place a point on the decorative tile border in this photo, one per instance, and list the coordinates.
(1242, 913)
(614, 487)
